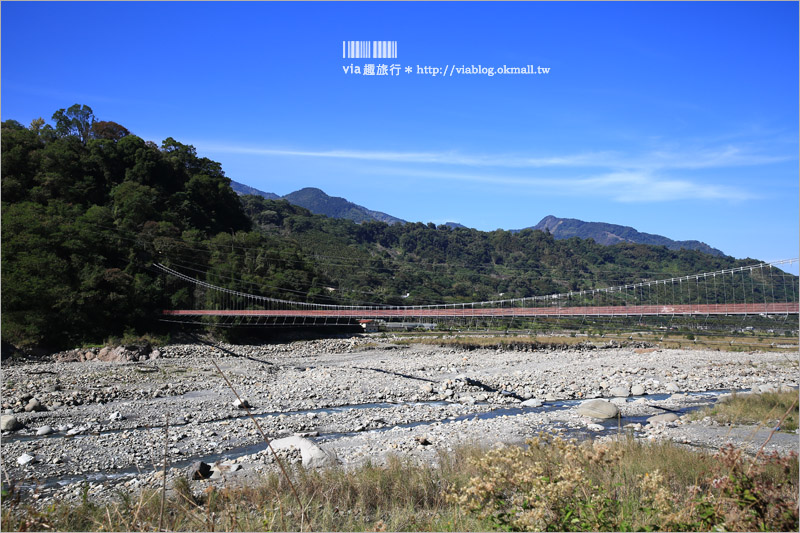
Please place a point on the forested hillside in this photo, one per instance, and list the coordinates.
(381, 263)
(87, 207)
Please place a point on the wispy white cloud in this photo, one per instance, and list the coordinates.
(625, 187)
(643, 187)
(445, 158)
(645, 177)
(691, 158)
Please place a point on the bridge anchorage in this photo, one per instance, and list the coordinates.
(710, 300)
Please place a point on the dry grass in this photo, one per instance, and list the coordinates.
(550, 484)
(764, 409)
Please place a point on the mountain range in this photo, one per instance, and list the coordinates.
(319, 203)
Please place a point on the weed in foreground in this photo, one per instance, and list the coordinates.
(557, 485)
(550, 485)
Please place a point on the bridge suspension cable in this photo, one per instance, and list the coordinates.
(617, 300)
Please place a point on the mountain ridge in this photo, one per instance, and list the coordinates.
(320, 203)
(611, 234)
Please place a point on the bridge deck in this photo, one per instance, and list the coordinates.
(510, 312)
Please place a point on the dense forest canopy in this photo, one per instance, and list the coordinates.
(88, 206)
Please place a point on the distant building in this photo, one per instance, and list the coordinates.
(370, 326)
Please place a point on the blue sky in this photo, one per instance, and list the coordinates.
(676, 118)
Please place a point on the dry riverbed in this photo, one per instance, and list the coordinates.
(96, 425)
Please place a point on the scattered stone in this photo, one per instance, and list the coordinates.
(598, 409)
(533, 402)
(595, 427)
(467, 400)
(10, 423)
(241, 404)
(313, 456)
(619, 392)
(672, 387)
(34, 405)
(25, 458)
(637, 390)
(44, 430)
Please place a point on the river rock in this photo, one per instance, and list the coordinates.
(637, 390)
(663, 419)
(595, 427)
(598, 409)
(312, 455)
(34, 405)
(25, 458)
(672, 387)
(533, 402)
(44, 430)
(619, 392)
(10, 423)
(200, 470)
(423, 440)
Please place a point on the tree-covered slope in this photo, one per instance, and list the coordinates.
(87, 207)
(416, 264)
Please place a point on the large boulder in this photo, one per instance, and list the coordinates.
(313, 456)
(10, 423)
(662, 419)
(124, 354)
(598, 409)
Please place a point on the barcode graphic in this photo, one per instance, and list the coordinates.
(369, 49)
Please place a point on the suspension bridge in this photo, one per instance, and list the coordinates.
(761, 289)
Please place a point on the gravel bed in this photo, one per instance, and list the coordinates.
(107, 417)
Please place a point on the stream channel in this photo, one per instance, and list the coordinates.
(695, 400)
